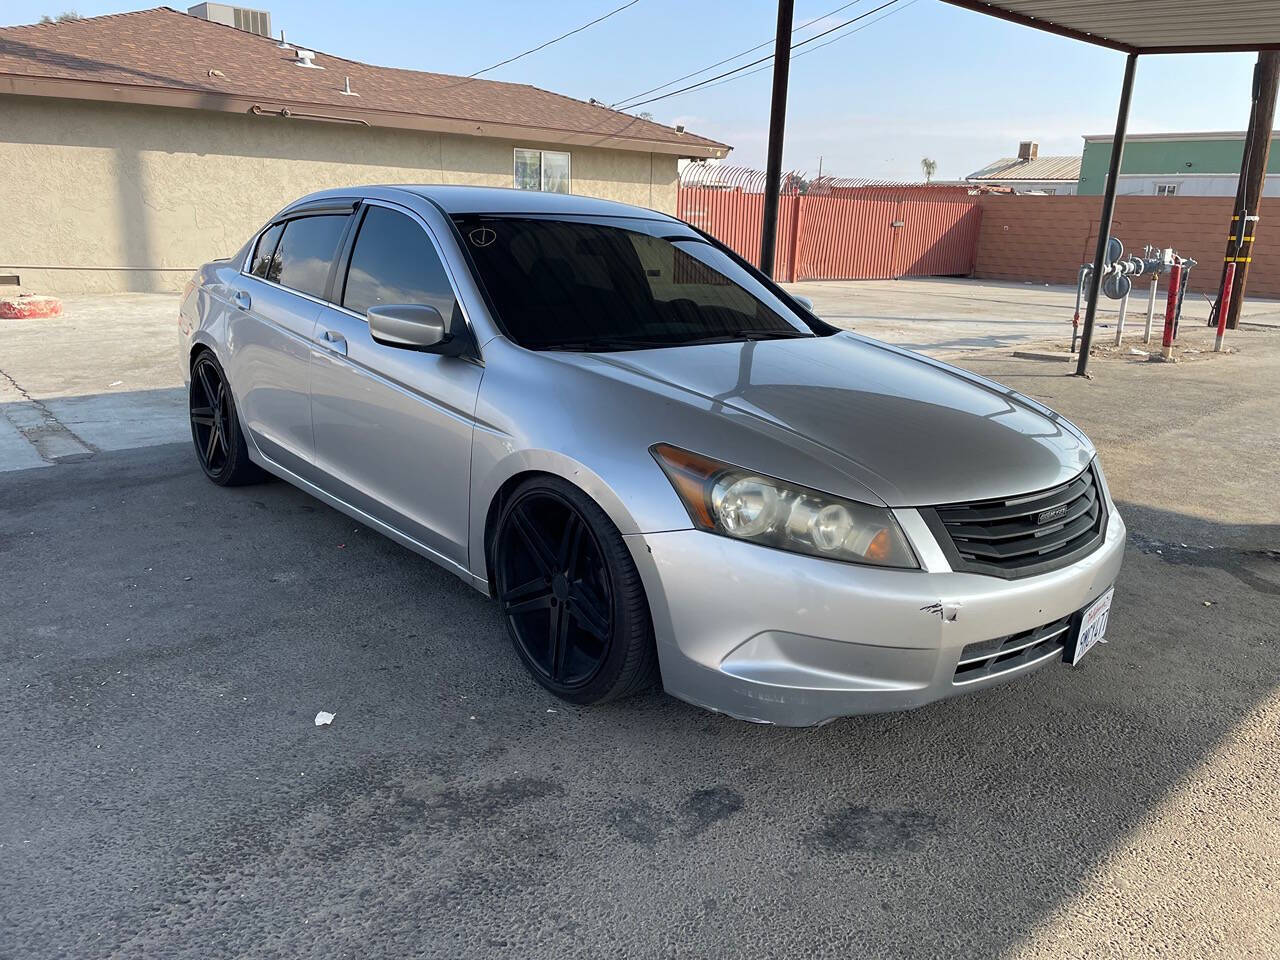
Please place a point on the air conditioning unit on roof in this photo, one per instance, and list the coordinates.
(242, 18)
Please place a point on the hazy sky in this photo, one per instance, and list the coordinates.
(930, 79)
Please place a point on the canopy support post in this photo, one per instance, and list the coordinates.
(777, 123)
(1253, 175)
(1108, 209)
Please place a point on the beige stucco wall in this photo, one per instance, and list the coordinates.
(87, 189)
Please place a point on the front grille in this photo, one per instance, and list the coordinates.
(1026, 535)
(991, 658)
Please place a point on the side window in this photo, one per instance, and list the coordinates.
(266, 264)
(394, 261)
(306, 252)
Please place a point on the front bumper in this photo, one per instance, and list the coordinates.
(775, 637)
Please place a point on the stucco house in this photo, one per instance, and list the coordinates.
(135, 146)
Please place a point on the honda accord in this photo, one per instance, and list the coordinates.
(661, 465)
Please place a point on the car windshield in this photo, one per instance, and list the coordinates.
(603, 286)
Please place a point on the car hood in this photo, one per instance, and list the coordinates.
(913, 430)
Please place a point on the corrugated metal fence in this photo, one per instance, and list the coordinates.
(837, 229)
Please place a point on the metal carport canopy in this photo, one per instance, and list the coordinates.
(1138, 27)
(1148, 26)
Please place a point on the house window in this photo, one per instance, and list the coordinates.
(1166, 189)
(544, 170)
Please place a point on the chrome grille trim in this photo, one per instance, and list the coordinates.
(994, 658)
(1021, 536)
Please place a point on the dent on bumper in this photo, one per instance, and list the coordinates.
(781, 638)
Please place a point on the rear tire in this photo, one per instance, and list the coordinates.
(215, 426)
(571, 595)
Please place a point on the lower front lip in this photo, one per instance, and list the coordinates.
(797, 640)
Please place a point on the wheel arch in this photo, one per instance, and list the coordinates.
(531, 464)
(201, 343)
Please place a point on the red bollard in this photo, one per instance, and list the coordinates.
(1171, 311)
(1224, 305)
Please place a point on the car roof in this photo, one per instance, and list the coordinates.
(469, 200)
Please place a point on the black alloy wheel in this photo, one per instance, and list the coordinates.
(571, 595)
(215, 426)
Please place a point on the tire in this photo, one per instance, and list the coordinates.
(571, 595)
(215, 426)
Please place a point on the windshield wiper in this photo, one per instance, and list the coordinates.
(610, 343)
(749, 335)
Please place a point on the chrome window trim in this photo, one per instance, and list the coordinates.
(449, 267)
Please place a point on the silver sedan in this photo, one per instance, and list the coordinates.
(661, 465)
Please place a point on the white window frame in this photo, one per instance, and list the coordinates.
(1166, 189)
(542, 167)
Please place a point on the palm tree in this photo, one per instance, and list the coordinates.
(928, 166)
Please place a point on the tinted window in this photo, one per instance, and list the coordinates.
(265, 262)
(306, 252)
(561, 284)
(393, 261)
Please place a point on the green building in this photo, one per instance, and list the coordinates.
(1168, 164)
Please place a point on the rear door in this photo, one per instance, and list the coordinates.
(393, 426)
(270, 330)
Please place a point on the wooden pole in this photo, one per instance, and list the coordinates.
(1253, 175)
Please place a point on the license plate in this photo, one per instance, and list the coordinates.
(1093, 624)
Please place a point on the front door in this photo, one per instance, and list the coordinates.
(393, 426)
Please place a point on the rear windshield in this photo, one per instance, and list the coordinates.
(587, 285)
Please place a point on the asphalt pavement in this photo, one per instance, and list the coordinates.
(165, 646)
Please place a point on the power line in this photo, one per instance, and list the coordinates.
(754, 63)
(742, 53)
(819, 46)
(543, 46)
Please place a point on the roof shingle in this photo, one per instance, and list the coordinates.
(163, 50)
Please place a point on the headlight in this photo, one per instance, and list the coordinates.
(733, 502)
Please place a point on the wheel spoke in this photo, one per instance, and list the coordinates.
(215, 436)
(204, 419)
(529, 606)
(559, 640)
(588, 612)
(543, 555)
(202, 371)
(536, 586)
(570, 545)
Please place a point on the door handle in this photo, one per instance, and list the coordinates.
(334, 341)
(242, 300)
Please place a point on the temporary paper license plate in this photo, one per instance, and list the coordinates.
(1092, 625)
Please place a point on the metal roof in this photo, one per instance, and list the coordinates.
(1041, 168)
(1147, 26)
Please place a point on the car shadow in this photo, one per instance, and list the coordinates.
(169, 643)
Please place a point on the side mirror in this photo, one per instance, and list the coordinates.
(409, 326)
(804, 302)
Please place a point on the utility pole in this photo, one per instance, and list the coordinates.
(777, 124)
(1253, 175)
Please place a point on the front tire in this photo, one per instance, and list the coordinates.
(215, 426)
(571, 595)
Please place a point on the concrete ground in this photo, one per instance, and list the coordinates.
(165, 645)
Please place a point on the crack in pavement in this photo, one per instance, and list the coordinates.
(36, 423)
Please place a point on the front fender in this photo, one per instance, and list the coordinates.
(494, 464)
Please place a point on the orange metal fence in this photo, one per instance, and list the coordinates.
(842, 232)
